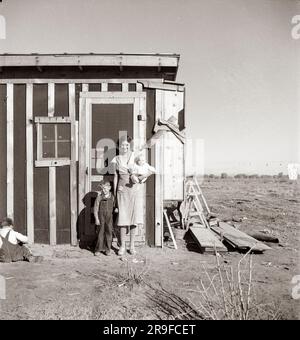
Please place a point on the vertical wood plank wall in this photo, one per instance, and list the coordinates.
(40, 175)
(10, 150)
(19, 158)
(62, 107)
(29, 163)
(159, 176)
(3, 152)
(52, 172)
(45, 200)
(73, 166)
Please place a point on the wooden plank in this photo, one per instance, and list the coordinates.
(52, 173)
(150, 183)
(52, 204)
(82, 149)
(125, 87)
(139, 87)
(73, 167)
(72, 81)
(162, 86)
(10, 150)
(237, 238)
(52, 120)
(206, 240)
(40, 175)
(3, 152)
(61, 100)
(104, 87)
(110, 95)
(174, 150)
(90, 60)
(51, 100)
(29, 163)
(63, 204)
(158, 151)
(51, 162)
(170, 229)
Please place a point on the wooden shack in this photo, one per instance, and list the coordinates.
(53, 111)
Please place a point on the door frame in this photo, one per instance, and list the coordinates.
(87, 99)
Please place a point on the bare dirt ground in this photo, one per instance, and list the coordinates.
(165, 283)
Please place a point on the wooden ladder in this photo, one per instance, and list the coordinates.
(196, 205)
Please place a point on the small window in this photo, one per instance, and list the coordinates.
(53, 141)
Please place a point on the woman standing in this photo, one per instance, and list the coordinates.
(128, 194)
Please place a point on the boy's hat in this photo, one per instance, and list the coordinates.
(7, 221)
(104, 183)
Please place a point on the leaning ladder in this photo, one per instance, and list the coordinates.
(195, 204)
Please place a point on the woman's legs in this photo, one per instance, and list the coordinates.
(123, 231)
(122, 249)
(132, 238)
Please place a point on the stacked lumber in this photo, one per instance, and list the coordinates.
(206, 240)
(237, 239)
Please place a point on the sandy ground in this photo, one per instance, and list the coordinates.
(165, 283)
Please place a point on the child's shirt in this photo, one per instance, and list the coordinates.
(14, 237)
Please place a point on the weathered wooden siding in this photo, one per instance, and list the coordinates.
(150, 184)
(41, 175)
(63, 211)
(20, 158)
(3, 147)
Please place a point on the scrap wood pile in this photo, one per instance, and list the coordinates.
(207, 230)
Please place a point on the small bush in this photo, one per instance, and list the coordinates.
(224, 175)
(240, 176)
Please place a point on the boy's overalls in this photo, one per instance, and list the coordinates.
(13, 252)
(105, 215)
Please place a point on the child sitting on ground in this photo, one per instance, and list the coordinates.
(103, 212)
(12, 247)
(141, 170)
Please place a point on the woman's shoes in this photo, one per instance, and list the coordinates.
(132, 251)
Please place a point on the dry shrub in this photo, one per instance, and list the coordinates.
(229, 294)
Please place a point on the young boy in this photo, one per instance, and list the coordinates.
(11, 244)
(103, 212)
(141, 170)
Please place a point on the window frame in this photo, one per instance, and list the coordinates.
(56, 161)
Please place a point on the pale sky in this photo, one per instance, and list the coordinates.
(238, 60)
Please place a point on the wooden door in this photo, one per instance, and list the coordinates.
(103, 118)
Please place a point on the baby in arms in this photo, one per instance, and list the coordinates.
(141, 170)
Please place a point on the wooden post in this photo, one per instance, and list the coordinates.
(73, 168)
(10, 150)
(159, 228)
(104, 87)
(29, 163)
(82, 148)
(124, 87)
(52, 174)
